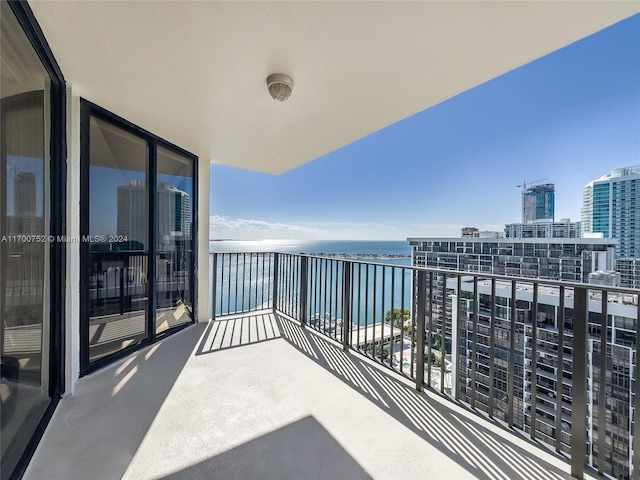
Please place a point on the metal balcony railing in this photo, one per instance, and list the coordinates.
(472, 338)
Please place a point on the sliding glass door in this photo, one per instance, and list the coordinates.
(137, 246)
(118, 239)
(30, 307)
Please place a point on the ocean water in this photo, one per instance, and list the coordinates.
(355, 248)
(376, 284)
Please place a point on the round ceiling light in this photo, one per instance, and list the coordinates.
(280, 86)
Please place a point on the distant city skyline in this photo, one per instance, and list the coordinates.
(569, 117)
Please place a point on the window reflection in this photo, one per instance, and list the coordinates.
(119, 237)
(174, 240)
(24, 226)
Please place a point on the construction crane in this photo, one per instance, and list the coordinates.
(525, 184)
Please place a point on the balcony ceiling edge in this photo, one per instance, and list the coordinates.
(195, 73)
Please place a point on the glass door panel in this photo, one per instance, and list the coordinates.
(24, 226)
(174, 240)
(119, 239)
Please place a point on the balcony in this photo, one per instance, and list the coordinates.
(302, 373)
(256, 396)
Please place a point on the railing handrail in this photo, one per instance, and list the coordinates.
(488, 276)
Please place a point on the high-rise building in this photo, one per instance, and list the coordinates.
(541, 366)
(570, 259)
(538, 203)
(610, 208)
(629, 270)
(469, 232)
(565, 228)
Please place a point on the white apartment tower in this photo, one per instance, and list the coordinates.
(610, 209)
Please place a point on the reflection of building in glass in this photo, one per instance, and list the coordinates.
(24, 220)
(132, 212)
(174, 213)
(25, 194)
(25, 225)
(538, 203)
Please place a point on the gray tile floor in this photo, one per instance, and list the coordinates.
(256, 397)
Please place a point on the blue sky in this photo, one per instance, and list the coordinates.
(569, 117)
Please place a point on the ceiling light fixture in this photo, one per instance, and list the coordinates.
(280, 86)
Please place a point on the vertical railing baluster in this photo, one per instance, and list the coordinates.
(366, 310)
(359, 345)
(235, 307)
(455, 346)
(229, 287)
(474, 342)
(295, 287)
(492, 345)
(257, 279)
(331, 315)
(602, 390)
(419, 287)
(214, 286)
(443, 333)
(512, 355)
(636, 399)
(326, 293)
(560, 327)
(303, 290)
(534, 361)
(384, 269)
(375, 297)
(274, 300)
(430, 332)
(221, 284)
(402, 332)
(250, 281)
(352, 302)
(579, 390)
(244, 275)
(316, 293)
(346, 310)
(392, 343)
(335, 331)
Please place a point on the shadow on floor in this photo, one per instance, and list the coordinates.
(232, 332)
(96, 432)
(302, 449)
(484, 453)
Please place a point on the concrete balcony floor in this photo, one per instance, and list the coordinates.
(256, 397)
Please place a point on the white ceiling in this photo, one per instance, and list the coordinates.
(194, 72)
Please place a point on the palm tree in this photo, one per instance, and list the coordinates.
(399, 318)
(383, 352)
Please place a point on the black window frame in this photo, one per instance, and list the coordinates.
(89, 109)
(57, 226)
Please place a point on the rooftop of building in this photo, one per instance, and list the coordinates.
(562, 241)
(633, 171)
